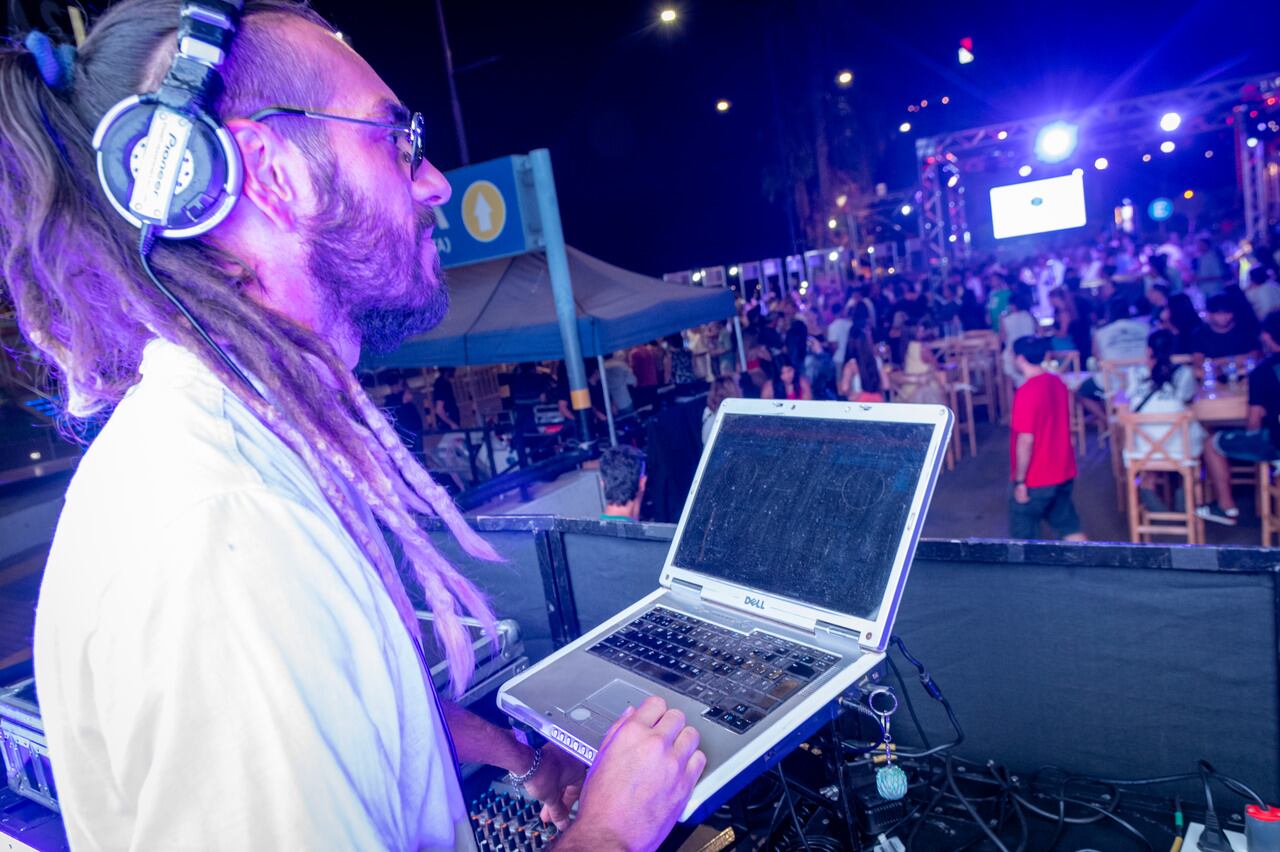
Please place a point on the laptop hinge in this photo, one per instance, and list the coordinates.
(836, 630)
(685, 586)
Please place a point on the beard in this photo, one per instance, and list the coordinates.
(370, 271)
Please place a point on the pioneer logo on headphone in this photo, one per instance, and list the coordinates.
(162, 153)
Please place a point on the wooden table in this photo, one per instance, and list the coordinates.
(1223, 406)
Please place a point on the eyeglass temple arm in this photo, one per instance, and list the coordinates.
(323, 116)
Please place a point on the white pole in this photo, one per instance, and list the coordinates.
(737, 333)
(608, 404)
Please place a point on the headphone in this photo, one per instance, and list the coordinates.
(167, 165)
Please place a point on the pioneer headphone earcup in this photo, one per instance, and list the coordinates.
(208, 179)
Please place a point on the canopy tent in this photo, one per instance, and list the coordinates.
(501, 312)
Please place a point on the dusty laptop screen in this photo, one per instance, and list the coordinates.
(812, 509)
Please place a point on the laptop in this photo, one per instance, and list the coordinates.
(778, 593)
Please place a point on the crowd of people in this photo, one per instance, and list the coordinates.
(849, 336)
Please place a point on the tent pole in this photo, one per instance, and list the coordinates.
(742, 353)
(544, 185)
(608, 403)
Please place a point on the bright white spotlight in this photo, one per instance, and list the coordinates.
(697, 276)
(952, 181)
(844, 78)
(733, 270)
(1077, 172)
(1002, 135)
(1167, 146)
(832, 224)
(904, 127)
(842, 200)
(1101, 164)
(1024, 171)
(1056, 141)
(834, 256)
(723, 105)
(906, 210)
(951, 239)
(1252, 142)
(1170, 122)
(668, 16)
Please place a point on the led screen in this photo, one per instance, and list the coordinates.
(1037, 206)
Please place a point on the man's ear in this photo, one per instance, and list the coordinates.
(273, 171)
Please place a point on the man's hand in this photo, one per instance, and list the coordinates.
(556, 784)
(640, 782)
(1021, 493)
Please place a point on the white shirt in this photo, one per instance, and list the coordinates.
(1264, 298)
(219, 667)
(838, 333)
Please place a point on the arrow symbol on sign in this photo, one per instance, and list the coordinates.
(483, 213)
(442, 222)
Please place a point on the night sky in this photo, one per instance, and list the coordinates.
(651, 177)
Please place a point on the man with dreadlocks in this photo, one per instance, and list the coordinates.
(224, 646)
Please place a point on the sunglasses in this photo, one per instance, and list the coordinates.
(414, 130)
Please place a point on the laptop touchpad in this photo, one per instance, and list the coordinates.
(612, 700)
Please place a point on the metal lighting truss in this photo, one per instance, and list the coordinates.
(943, 226)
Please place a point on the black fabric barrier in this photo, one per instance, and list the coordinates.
(1109, 660)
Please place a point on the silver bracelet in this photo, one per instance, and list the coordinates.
(521, 780)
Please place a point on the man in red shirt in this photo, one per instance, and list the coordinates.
(1041, 457)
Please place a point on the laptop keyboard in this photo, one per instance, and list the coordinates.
(741, 676)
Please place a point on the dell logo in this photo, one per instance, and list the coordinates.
(755, 602)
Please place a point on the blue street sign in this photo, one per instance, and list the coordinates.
(492, 213)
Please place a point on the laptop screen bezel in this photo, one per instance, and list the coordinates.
(872, 632)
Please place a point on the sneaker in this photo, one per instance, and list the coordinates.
(1218, 515)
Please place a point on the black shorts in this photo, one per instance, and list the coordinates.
(1051, 503)
(1243, 445)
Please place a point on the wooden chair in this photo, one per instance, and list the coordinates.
(1066, 364)
(905, 387)
(1113, 378)
(949, 352)
(1269, 501)
(1157, 444)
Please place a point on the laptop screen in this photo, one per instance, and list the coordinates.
(808, 508)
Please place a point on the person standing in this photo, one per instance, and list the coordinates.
(444, 402)
(1042, 461)
(646, 363)
(620, 379)
(838, 335)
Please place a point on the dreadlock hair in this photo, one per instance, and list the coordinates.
(72, 271)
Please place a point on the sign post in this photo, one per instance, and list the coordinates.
(492, 214)
(544, 187)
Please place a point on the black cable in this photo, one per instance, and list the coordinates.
(1118, 820)
(906, 697)
(933, 803)
(1232, 784)
(795, 819)
(147, 241)
(854, 841)
(968, 806)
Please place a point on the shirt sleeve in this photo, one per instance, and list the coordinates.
(255, 694)
(1024, 406)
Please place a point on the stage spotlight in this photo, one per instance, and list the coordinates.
(844, 78)
(952, 181)
(1024, 171)
(904, 127)
(832, 224)
(951, 239)
(1252, 142)
(1167, 146)
(1208, 155)
(1077, 172)
(906, 210)
(723, 105)
(697, 276)
(1146, 158)
(1101, 164)
(842, 200)
(1189, 194)
(1002, 135)
(1056, 141)
(668, 16)
(733, 270)
(834, 256)
(1170, 122)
